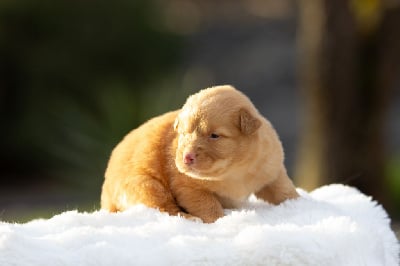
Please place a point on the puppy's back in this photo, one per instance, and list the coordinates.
(143, 152)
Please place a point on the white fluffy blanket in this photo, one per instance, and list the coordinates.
(333, 225)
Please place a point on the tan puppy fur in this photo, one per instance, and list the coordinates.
(211, 154)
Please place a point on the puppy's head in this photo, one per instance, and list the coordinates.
(215, 128)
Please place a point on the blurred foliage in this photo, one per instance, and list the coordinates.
(75, 76)
(368, 13)
(393, 181)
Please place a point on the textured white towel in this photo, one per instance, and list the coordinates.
(333, 225)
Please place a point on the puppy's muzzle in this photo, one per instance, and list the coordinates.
(189, 158)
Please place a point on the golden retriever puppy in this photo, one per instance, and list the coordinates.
(211, 154)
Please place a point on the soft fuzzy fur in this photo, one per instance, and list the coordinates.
(211, 154)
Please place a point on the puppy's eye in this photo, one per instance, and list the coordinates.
(214, 136)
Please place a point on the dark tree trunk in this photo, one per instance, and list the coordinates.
(347, 71)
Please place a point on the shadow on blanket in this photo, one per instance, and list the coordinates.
(333, 225)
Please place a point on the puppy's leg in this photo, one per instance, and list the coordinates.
(279, 190)
(200, 203)
(148, 191)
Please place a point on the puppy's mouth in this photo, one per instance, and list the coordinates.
(201, 176)
(195, 169)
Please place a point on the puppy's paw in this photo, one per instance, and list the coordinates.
(210, 218)
(211, 214)
(190, 217)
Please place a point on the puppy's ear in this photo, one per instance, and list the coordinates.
(248, 124)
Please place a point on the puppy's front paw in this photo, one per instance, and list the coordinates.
(210, 220)
(200, 203)
(190, 217)
(203, 218)
(212, 216)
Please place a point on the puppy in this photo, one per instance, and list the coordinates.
(211, 154)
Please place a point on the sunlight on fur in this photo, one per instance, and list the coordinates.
(212, 154)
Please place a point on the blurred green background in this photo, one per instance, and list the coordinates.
(76, 76)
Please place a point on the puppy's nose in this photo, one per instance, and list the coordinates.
(189, 158)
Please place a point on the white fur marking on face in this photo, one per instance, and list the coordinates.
(187, 114)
